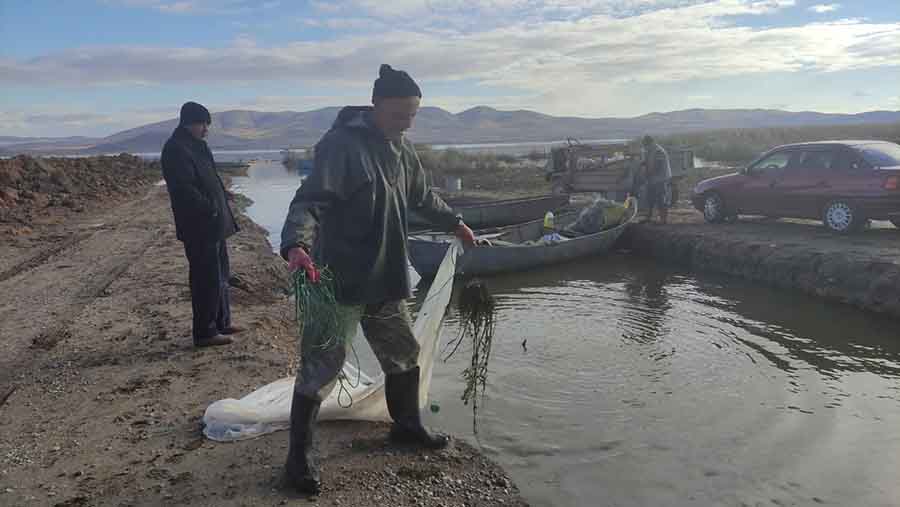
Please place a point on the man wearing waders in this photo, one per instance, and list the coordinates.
(659, 179)
(350, 214)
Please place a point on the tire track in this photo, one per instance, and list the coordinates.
(76, 237)
(42, 296)
(92, 290)
(42, 257)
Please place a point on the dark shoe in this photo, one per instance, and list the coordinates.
(232, 330)
(212, 341)
(402, 392)
(301, 470)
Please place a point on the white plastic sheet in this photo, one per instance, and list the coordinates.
(268, 409)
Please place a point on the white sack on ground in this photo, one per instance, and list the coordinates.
(268, 409)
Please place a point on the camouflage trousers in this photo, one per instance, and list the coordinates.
(388, 329)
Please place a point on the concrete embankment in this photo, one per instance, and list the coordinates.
(862, 270)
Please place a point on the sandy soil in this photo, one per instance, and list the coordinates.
(37, 190)
(102, 393)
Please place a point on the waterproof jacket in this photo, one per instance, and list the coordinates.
(351, 211)
(199, 203)
(658, 165)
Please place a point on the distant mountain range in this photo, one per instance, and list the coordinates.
(247, 130)
(28, 143)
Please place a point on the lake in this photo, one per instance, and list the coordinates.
(643, 385)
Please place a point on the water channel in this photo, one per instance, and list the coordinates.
(618, 382)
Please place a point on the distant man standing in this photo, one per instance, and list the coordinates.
(203, 220)
(659, 179)
(351, 215)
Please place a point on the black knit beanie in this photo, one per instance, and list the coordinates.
(394, 83)
(192, 112)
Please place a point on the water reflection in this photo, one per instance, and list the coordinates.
(647, 304)
(691, 384)
(832, 338)
(271, 186)
(644, 385)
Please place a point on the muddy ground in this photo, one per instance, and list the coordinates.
(102, 393)
(860, 269)
(36, 190)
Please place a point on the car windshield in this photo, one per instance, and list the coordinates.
(774, 162)
(881, 155)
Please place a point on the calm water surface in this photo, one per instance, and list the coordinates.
(641, 385)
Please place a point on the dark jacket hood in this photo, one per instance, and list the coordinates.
(355, 117)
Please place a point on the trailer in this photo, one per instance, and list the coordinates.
(611, 170)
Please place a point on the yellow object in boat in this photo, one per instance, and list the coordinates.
(548, 220)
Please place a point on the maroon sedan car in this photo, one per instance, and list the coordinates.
(843, 183)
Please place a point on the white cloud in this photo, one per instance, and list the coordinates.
(178, 7)
(220, 7)
(40, 119)
(474, 13)
(823, 8)
(358, 24)
(285, 102)
(325, 6)
(659, 46)
(168, 6)
(613, 64)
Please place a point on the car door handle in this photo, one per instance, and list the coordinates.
(823, 184)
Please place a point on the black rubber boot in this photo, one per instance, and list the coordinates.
(301, 469)
(402, 392)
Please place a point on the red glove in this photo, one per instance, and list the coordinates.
(465, 234)
(298, 258)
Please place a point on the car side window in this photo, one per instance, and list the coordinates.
(857, 163)
(847, 160)
(774, 162)
(817, 159)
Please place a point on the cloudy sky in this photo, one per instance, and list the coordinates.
(88, 67)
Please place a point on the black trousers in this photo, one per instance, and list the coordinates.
(209, 273)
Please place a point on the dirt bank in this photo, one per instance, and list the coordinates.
(862, 269)
(101, 392)
(35, 190)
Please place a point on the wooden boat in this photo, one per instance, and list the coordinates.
(509, 253)
(498, 213)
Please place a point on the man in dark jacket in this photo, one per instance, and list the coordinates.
(203, 220)
(351, 215)
(658, 177)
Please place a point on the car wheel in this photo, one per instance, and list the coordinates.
(713, 208)
(842, 217)
(560, 188)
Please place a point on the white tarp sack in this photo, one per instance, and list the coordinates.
(268, 409)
